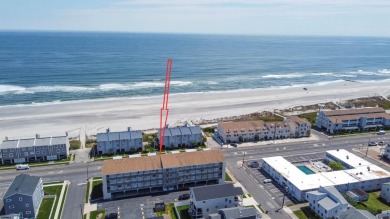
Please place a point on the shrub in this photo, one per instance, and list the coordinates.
(74, 144)
(335, 165)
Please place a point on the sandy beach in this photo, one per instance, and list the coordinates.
(143, 113)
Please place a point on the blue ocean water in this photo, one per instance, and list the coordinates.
(38, 67)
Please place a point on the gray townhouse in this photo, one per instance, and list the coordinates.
(24, 196)
(119, 142)
(151, 174)
(34, 149)
(184, 136)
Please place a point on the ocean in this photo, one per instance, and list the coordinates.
(51, 67)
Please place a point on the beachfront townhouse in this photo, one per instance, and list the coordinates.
(24, 196)
(119, 142)
(34, 149)
(361, 119)
(241, 131)
(327, 202)
(385, 192)
(183, 136)
(205, 200)
(300, 127)
(164, 172)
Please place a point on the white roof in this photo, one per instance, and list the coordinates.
(364, 172)
(348, 158)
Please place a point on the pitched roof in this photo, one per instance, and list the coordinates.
(353, 213)
(115, 136)
(215, 191)
(239, 212)
(243, 126)
(333, 191)
(299, 120)
(31, 142)
(327, 203)
(23, 184)
(143, 163)
(190, 159)
(354, 111)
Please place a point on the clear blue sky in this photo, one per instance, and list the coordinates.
(260, 17)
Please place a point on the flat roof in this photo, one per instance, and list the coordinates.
(365, 171)
(144, 163)
(348, 158)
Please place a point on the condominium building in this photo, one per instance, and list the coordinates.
(150, 174)
(357, 174)
(184, 136)
(385, 192)
(207, 200)
(362, 119)
(240, 131)
(34, 149)
(119, 142)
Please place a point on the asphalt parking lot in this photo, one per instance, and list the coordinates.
(273, 189)
(138, 207)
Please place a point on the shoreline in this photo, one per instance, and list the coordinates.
(323, 83)
(93, 116)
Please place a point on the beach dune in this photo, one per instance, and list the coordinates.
(89, 117)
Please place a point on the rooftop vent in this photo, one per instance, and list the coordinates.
(368, 168)
(108, 130)
(347, 157)
(360, 164)
(37, 136)
(129, 129)
(6, 138)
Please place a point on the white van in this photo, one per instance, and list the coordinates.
(22, 167)
(381, 132)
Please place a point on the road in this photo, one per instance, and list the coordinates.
(76, 173)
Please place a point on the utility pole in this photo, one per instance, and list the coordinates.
(243, 159)
(284, 196)
(368, 145)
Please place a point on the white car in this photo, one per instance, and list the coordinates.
(22, 167)
(381, 132)
(372, 143)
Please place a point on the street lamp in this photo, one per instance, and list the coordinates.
(284, 196)
(368, 145)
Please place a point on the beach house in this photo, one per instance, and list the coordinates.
(327, 202)
(183, 136)
(24, 196)
(118, 142)
(34, 149)
(209, 199)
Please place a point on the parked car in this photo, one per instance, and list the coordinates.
(255, 164)
(372, 143)
(22, 167)
(233, 145)
(112, 216)
(267, 180)
(184, 197)
(381, 143)
(381, 132)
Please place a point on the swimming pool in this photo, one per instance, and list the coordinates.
(306, 170)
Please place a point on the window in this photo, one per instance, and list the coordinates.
(11, 207)
(4, 155)
(58, 150)
(27, 205)
(43, 152)
(20, 199)
(11, 155)
(207, 210)
(38, 152)
(11, 150)
(28, 212)
(8, 200)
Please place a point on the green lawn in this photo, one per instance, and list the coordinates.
(374, 204)
(227, 178)
(183, 211)
(169, 209)
(63, 200)
(53, 190)
(311, 117)
(94, 214)
(306, 213)
(45, 208)
(97, 190)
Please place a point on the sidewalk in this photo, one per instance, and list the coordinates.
(57, 215)
(247, 201)
(88, 207)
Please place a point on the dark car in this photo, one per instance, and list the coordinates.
(112, 216)
(184, 197)
(233, 145)
(255, 164)
(381, 143)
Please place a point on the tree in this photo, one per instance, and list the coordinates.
(257, 137)
(335, 165)
(240, 139)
